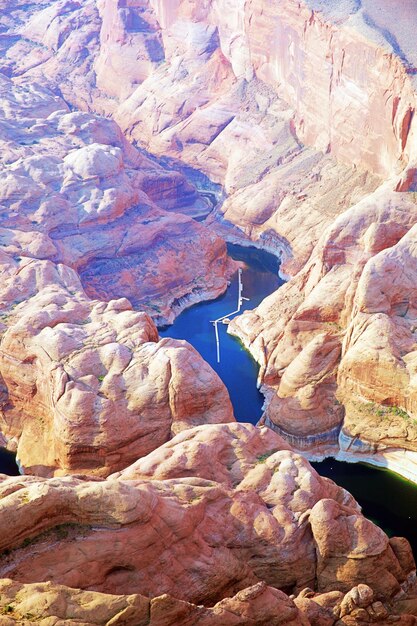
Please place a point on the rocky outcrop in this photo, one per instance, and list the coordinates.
(220, 519)
(338, 99)
(226, 41)
(258, 605)
(138, 531)
(155, 528)
(218, 86)
(73, 192)
(42, 602)
(357, 607)
(86, 385)
(336, 344)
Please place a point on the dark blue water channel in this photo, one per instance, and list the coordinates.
(387, 499)
(8, 463)
(237, 369)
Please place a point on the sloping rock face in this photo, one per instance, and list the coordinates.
(86, 385)
(115, 50)
(337, 343)
(73, 192)
(269, 517)
(269, 99)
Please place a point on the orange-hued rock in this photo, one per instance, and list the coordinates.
(43, 602)
(221, 453)
(341, 332)
(269, 517)
(146, 486)
(116, 50)
(271, 101)
(86, 385)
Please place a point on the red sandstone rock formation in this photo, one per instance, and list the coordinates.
(32, 604)
(87, 385)
(73, 193)
(342, 331)
(202, 84)
(166, 525)
(258, 605)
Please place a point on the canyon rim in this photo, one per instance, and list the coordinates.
(141, 141)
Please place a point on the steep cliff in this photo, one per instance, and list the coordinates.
(337, 343)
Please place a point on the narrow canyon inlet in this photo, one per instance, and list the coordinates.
(208, 277)
(236, 367)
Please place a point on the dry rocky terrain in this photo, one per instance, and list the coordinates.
(224, 517)
(142, 501)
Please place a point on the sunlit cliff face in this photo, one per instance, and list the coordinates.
(116, 119)
(300, 109)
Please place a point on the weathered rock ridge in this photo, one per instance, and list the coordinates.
(154, 529)
(204, 85)
(74, 192)
(48, 603)
(305, 50)
(86, 385)
(271, 101)
(337, 344)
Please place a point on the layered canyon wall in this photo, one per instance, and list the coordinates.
(305, 115)
(341, 73)
(301, 110)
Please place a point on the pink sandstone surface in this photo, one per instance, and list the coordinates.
(304, 112)
(259, 605)
(154, 529)
(338, 340)
(86, 384)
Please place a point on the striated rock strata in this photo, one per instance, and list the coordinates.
(271, 101)
(337, 343)
(86, 385)
(154, 528)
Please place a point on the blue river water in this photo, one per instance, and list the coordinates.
(237, 369)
